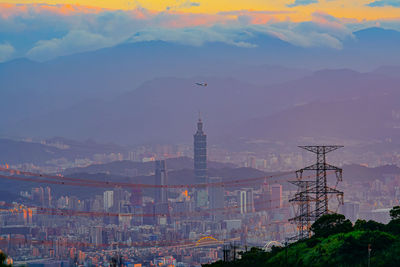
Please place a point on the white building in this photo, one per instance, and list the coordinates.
(108, 200)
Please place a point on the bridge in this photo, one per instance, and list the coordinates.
(268, 246)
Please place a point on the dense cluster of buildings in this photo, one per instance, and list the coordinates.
(135, 226)
(163, 225)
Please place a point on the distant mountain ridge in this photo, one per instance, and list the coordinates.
(17, 152)
(101, 94)
(122, 168)
(165, 110)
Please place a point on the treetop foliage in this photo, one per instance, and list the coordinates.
(336, 242)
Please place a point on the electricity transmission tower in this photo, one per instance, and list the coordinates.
(314, 191)
(303, 199)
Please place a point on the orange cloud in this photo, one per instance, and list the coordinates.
(181, 19)
(67, 9)
(9, 10)
(173, 18)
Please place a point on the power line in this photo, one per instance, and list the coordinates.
(70, 181)
(69, 212)
(54, 179)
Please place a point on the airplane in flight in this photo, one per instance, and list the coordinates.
(201, 84)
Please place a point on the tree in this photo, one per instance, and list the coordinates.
(370, 225)
(393, 227)
(330, 224)
(395, 213)
(3, 260)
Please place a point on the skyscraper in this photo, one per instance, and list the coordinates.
(108, 197)
(38, 195)
(200, 164)
(276, 196)
(243, 201)
(161, 195)
(200, 154)
(47, 197)
(136, 197)
(161, 207)
(96, 235)
(216, 194)
(264, 202)
(118, 198)
(246, 200)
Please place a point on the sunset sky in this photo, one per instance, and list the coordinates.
(296, 10)
(41, 30)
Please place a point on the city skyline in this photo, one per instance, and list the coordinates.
(105, 162)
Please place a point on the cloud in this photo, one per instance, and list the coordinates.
(27, 10)
(305, 35)
(6, 51)
(74, 42)
(302, 3)
(44, 32)
(186, 4)
(322, 30)
(381, 3)
(255, 17)
(195, 36)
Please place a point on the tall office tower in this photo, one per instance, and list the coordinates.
(216, 194)
(108, 198)
(96, 235)
(251, 162)
(149, 209)
(38, 195)
(161, 208)
(276, 196)
(161, 195)
(137, 197)
(200, 164)
(119, 196)
(250, 200)
(246, 199)
(200, 154)
(137, 211)
(264, 202)
(47, 197)
(243, 201)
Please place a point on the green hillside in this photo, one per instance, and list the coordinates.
(335, 242)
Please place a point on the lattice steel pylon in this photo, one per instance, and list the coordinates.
(314, 191)
(303, 199)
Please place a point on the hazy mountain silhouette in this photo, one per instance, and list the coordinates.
(97, 94)
(16, 152)
(341, 103)
(121, 168)
(365, 118)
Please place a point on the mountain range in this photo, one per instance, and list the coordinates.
(146, 92)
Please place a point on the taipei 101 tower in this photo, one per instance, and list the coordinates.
(200, 164)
